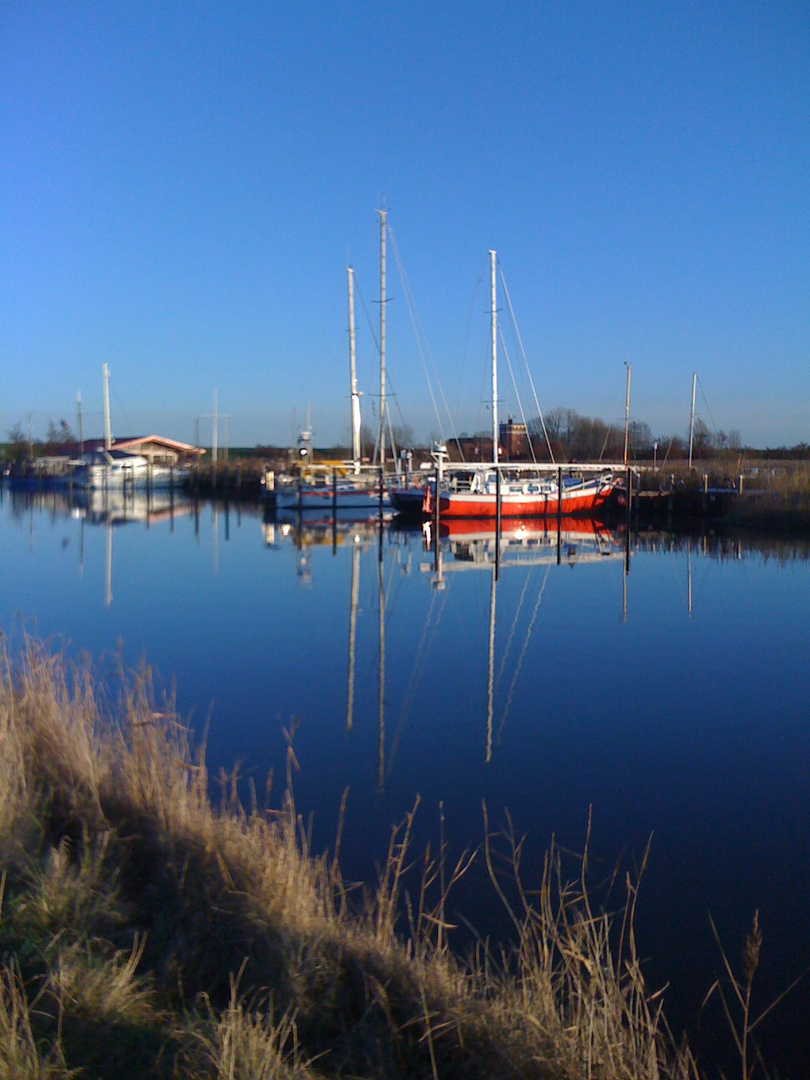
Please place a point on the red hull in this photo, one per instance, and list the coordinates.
(467, 505)
(580, 527)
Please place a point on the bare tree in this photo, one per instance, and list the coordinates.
(59, 437)
(18, 444)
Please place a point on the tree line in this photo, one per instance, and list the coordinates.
(59, 439)
(590, 438)
(573, 437)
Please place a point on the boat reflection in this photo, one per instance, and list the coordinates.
(118, 507)
(489, 545)
(104, 507)
(528, 542)
(306, 533)
(458, 545)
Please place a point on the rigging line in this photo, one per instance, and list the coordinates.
(519, 665)
(523, 353)
(421, 340)
(604, 444)
(120, 408)
(358, 292)
(513, 627)
(422, 654)
(708, 410)
(484, 400)
(699, 575)
(391, 440)
(389, 386)
(666, 455)
(392, 577)
(466, 351)
(416, 326)
(517, 394)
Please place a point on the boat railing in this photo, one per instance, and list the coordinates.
(535, 468)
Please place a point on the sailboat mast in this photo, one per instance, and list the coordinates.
(214, 427)
(383, 215)
(107, 433)
(692, 417)
(79, 427)
(494, 355)
(627, 414)
(355, 397)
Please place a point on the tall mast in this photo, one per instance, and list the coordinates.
(627, 414)
(494, 354)
(353, 377)
(383, 215)
(107, 433)
(214, 426)
(692, 417)
(80, 430)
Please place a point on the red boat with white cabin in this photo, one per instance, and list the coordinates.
(528, 492)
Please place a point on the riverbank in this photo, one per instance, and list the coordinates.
(146, 933)
(773, 496)
(770, 497)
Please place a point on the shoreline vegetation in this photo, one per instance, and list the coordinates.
(147, 932)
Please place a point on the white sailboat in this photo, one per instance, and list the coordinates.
(107, 468)
(348, 493)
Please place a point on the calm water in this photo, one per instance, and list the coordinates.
(670, 700)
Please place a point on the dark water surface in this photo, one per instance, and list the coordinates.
(669, 702)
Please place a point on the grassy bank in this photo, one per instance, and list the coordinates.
(772, 496)
(145, 932)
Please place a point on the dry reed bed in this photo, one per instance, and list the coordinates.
(146, 933)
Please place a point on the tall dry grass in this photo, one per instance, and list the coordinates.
(146, 932)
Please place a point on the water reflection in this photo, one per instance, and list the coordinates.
(458, 546)
(116, 507)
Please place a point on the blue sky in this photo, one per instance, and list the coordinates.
(183, 184)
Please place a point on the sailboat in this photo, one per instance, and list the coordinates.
(354, 494)
(491, 492)
(108, 468)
